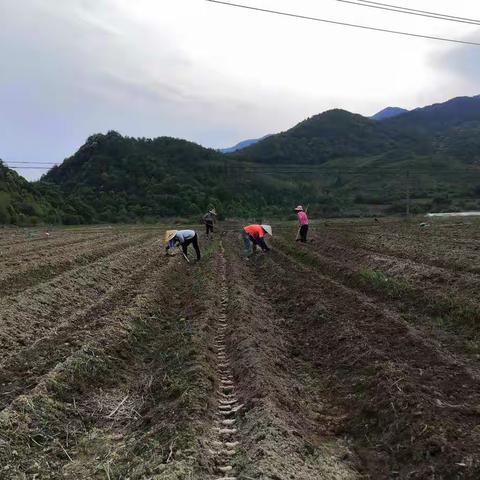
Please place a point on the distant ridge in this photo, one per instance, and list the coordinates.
(337, 162)
(388, 112)
(243, 144)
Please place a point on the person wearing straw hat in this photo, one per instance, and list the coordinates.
(303, 224)
(209, 219)
(183, 238)
(253, 236)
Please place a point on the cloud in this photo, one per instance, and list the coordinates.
(461, 64)
(193, 70)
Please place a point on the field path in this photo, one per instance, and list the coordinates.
(225, 442)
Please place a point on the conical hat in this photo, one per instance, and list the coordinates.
(213, 211)
(268, 229)
(169, 234)
(299, 209)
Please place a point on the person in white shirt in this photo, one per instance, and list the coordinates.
(183, 238)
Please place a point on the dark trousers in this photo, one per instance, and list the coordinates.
(209, 228)
(261, 243)
(194, 242)
(303, 233)
(258, 242)
(251, 243)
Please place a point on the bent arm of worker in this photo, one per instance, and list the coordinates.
(170, 244)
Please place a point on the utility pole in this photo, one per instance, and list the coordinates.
(408, 195)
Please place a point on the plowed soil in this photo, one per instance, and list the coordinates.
(354, 356)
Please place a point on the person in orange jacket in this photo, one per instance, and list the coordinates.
(253, 236)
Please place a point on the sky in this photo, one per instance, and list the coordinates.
(209, 73)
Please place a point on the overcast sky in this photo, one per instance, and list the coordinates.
(210, 73)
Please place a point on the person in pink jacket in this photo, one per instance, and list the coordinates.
(303, 222)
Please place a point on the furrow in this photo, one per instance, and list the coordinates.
(225, 428)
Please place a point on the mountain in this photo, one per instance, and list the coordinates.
(440, 117)
(452, 127)
(332, 134)
(337, 162)
(352, 161)
(388, 112)
(241, 145)
(112, 178)
(24, 203)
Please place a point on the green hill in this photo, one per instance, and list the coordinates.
(450, 126)
(120, 179)
(23, 203)
(440, 117)
(357, 164)
(336, 162)
(333, 134)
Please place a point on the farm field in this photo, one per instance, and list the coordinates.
(355, 356)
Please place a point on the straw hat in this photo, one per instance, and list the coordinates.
(169, 234)
(268, 229)
(299, 209)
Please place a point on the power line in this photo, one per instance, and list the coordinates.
(431, 173)
(32, 163)
(345, 24)
(422, 11)
(28, 168)
(312, 169)
(25, 164)
(392, 8)
(339, 172)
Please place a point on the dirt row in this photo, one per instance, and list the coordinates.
(450, 246)
(123, 388)
(406, 407)
(286, 427)
(223, 441)
(441, 302)
(37, 351)
(25, 274)
(32, 315)
(130, 366)
(16, 250)
(28, 239)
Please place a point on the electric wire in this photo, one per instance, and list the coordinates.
(15, 162)
(326, 171)
(408, 12)
(345, 24)
(422, 11)
(28, 168)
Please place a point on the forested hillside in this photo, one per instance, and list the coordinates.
(338, 133)
(337, 162)
(23, 203)
(360, 164)
(333, 134)
(120, 179)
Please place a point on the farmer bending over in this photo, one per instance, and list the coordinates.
(253, 236)
(210, 219)
(183, 238)
(303, 222)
